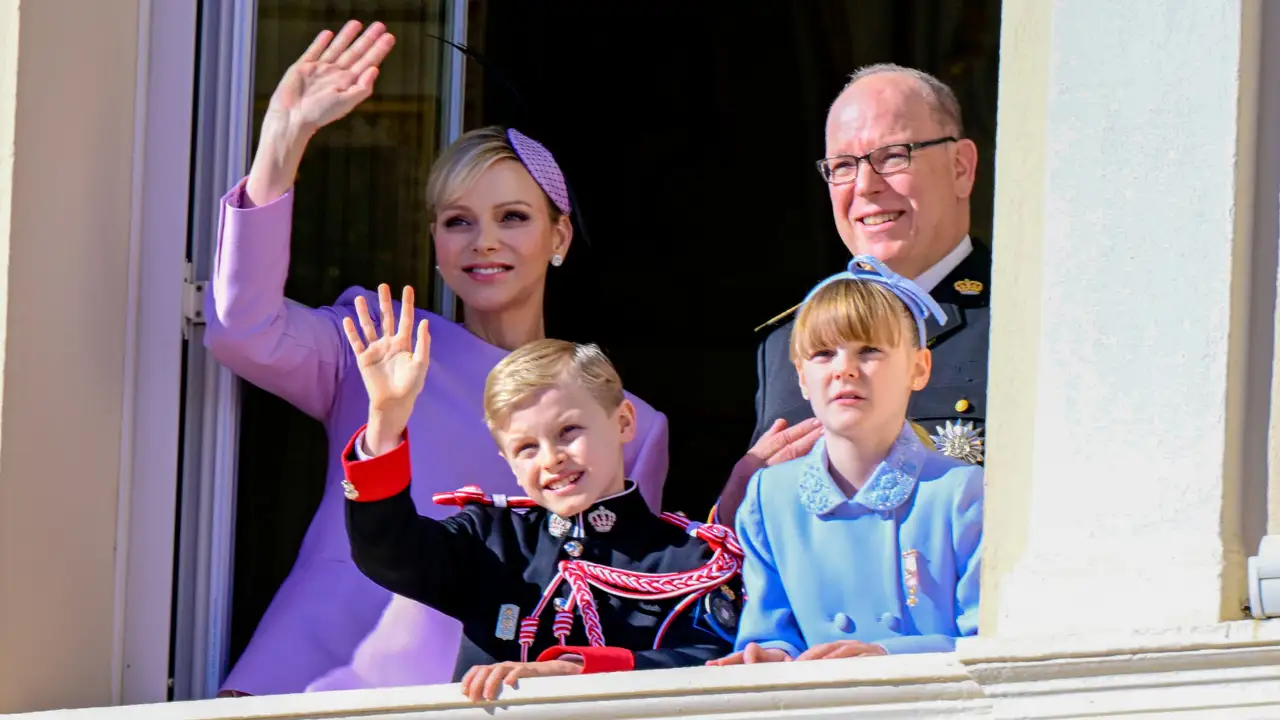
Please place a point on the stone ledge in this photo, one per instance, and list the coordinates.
(1227, 635)
(1230, 669)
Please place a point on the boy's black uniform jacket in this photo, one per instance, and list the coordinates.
(470, 565)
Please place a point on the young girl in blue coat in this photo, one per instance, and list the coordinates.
(871, 544)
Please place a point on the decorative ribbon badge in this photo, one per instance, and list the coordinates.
(507, 616)
(911, 575)
(559, 526)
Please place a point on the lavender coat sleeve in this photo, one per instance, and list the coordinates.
(283, 347)
(299, 354)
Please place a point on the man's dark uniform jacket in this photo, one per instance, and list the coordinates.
(485, 565)
(957, 389)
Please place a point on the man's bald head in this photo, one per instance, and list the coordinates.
(941, 99)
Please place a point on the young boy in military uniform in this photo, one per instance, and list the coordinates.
(518, 573)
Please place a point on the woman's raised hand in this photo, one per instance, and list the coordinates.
(331, 78)
(393, 366)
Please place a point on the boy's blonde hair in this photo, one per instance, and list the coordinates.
(465, 160)
(850, 311)
(542, 364)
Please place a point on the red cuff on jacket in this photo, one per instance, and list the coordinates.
(594, 659)
(377, 478)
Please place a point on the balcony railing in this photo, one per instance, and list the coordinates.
(1226, 670)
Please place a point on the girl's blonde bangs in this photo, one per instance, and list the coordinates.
(847, 312)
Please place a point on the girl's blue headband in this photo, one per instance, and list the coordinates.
(869, 269)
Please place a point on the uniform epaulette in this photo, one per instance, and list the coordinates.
(776, 318)
(922, 434)
(473, 495)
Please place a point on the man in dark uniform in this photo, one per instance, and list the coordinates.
(900, 174)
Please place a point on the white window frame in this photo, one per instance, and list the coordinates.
(210, 447)
(206, 531)
(455, 68)
(153, 352)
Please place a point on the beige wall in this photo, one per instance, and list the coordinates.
(1124, 489)
(67, 87)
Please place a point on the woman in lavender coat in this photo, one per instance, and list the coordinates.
(500, 220)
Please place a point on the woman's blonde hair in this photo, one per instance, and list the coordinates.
(465, 160)
(542, 364)
(851, 311)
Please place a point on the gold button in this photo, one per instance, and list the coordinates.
(962, 405)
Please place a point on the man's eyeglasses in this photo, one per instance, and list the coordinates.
(887, 160)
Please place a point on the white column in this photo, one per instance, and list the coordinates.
(68, 75)
(1123, 242)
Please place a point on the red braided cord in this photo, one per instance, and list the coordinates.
(563, 625)
(528, 629)
(717, 536)
(529, 626)
(528, 632)
(646, 586)
(582, 575)
(473, 495)
(581, 592)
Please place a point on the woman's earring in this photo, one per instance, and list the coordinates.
(557, 260)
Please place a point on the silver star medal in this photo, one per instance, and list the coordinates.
(961, 441)
(602, 519)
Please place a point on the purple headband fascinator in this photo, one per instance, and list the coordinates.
(543, 167)
(870, 269)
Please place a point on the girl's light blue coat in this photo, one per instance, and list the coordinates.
(821, 567)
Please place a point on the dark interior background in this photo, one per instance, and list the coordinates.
(688, 132)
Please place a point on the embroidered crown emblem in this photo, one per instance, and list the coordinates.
(968, 287)
(602, 519)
